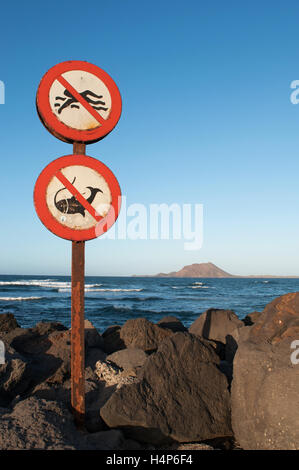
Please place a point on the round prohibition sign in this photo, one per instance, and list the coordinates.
(78, 102)
(77, 197)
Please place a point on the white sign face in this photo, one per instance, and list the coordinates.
(73, 113)
(65, 207)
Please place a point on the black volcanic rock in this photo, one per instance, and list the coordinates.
(41, 424)
(7, 323)
(15, 376)
(265, 404)
(251, 318)
(172, 323)
(142, 334)
(216, 324)
(111, 339)
(182, 396)
(128, 358)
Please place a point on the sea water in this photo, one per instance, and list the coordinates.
(113, 300)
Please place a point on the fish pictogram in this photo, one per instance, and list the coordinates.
(71, 205)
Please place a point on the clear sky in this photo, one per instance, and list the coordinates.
(207, 118)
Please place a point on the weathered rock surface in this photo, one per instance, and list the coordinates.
(112, 439)
(182, 395)
(113, 375)
(37, 424)
(128, 359)
(35, 340)
(92, 337)
(45, 328)
(265, 404)
(172, 323)
(279, 320)
(93, 355)
(188, 446)
(40, 424)
(232, 341)
(61, 392)
(142, 334)
(251, 318)
(15, 376)
(111, 339)
(216, 324)
(46, 348)
(7, 323)
(158, 386)
(39, 362)
(100, 383)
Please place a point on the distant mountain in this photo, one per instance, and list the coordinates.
(198, 270)
(209, 270)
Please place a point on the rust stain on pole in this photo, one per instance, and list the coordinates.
(77, 329)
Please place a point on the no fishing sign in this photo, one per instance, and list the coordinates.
(78, 197)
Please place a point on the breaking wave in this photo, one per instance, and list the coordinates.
(45, 283)
(18, 299)
(87, 289)
(198, 287)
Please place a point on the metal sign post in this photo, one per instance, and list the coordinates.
(78, 103)
(77, 333)
(77, 323)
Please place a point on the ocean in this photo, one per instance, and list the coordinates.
(113, 300)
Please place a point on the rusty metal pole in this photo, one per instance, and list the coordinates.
(77, 327)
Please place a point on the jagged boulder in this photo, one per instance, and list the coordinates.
(216, 324)
(93, 338)
(143, 334)
(42, 358)
(221, 327)
(7, 323)
(251, 318)
(128, 359)
(48, 425)
(37, 424)
(265, 404)
(15, 376)
(111, 339)
(171, 323)
(182, 395)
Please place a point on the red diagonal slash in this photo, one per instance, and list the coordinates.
(81, 100)
(78, 196)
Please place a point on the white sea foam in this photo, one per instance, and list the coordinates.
(18, 299)
(198, 287)
(198, 283)
(38, 283)
(191, 287)
(119, 290)
(44, 283)
(87, 289)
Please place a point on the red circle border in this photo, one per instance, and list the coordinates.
(62, 131)
(49, 220)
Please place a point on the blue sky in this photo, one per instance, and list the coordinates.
(207, 118)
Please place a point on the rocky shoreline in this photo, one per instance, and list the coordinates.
(221, 384)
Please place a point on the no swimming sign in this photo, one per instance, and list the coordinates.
(78, 102)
